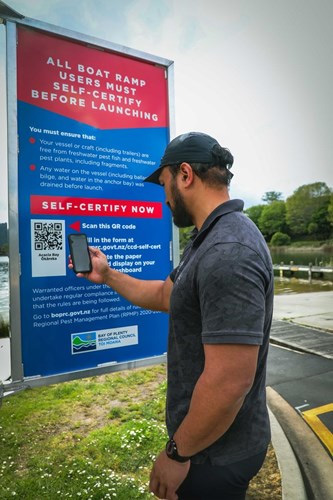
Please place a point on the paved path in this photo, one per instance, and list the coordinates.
(311, 310)
(305, 381)
(303, 339)
(308, 309)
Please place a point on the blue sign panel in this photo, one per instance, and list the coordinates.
(92, 125)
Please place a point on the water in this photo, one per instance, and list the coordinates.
(289, 285)
(316, 257)
(296, 285)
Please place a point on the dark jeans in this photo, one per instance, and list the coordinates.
(214, 482)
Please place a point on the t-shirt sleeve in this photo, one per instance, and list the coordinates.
(172, 275)
(231, 282)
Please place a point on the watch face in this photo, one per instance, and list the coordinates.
(170, 447)
(172, 452)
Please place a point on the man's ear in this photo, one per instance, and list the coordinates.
(186, 173)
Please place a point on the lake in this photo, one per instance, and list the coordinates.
(316, 257)
(282, 285)
(297, 285)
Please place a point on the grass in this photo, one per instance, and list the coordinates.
(310, 243)
(307, 245)
(93, 438)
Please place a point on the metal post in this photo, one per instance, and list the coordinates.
(310, 272)
(14, 258)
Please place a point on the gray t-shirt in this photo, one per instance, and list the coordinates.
(222, 293)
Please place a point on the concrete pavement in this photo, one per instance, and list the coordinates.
(311, 475)
(292, 482)
(308, 309)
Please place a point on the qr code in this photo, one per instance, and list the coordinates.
(48, 236)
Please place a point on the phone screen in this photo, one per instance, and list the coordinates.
(80, 255)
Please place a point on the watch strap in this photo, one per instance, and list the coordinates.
(172, 452)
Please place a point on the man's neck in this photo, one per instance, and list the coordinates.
(207, 203)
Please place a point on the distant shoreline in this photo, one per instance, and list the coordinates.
(302, 249)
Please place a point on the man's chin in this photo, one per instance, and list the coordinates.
(182, 224)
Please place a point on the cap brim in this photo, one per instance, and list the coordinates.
(154, 177)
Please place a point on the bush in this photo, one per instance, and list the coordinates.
(312, 228)
(184, 237)
(4, 328)
(278, 239)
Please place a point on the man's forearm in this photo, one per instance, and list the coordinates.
(210, 415)
(147, 294)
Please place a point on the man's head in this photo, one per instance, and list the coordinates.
(192, 164)
(209, 161)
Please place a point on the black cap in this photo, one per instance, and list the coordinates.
(193, 147)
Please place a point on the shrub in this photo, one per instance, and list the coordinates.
(278, 239)
(312, 228)
(4, 328)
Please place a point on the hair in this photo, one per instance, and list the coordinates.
(215, 174)
(212, 175)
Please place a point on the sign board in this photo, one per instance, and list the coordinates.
(92, 123)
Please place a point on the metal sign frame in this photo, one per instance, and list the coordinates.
(11, 19)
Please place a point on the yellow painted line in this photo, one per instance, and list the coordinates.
(324, 434)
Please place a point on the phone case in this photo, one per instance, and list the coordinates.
(79, 251)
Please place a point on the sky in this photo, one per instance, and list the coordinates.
(256, 75)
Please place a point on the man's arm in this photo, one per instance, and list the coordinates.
(218, 395)
(149, 294)
(217, 398)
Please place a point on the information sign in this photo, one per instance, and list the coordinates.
(92, 124)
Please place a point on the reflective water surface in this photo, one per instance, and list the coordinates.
(301, 284)
(316, 257)
(296, 285)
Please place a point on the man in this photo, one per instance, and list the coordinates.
(220, 301)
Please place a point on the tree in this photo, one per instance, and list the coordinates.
(273, 219)
(303, 204)
(4, 249)
(254, 213)
(184, 237)
(271, 196)
(279, 239)
(320, 225)
(330, 211)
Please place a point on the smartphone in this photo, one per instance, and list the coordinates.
(80, 254)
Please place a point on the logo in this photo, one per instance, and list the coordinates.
(83, 342)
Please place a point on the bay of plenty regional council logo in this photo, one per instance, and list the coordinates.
(83, 342)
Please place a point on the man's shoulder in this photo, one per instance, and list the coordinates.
(235, 228)
(235, 236)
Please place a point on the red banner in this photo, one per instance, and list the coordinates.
(64, 205)
(99, 88)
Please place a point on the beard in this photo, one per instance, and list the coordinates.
(180, 214)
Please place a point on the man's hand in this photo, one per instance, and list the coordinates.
(100, 267)
(166, 476)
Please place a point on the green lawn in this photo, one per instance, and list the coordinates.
(93, 438)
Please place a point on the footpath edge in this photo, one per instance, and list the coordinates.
(292, 482)
(314, 461)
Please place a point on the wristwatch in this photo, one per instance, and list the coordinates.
(172, 452)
